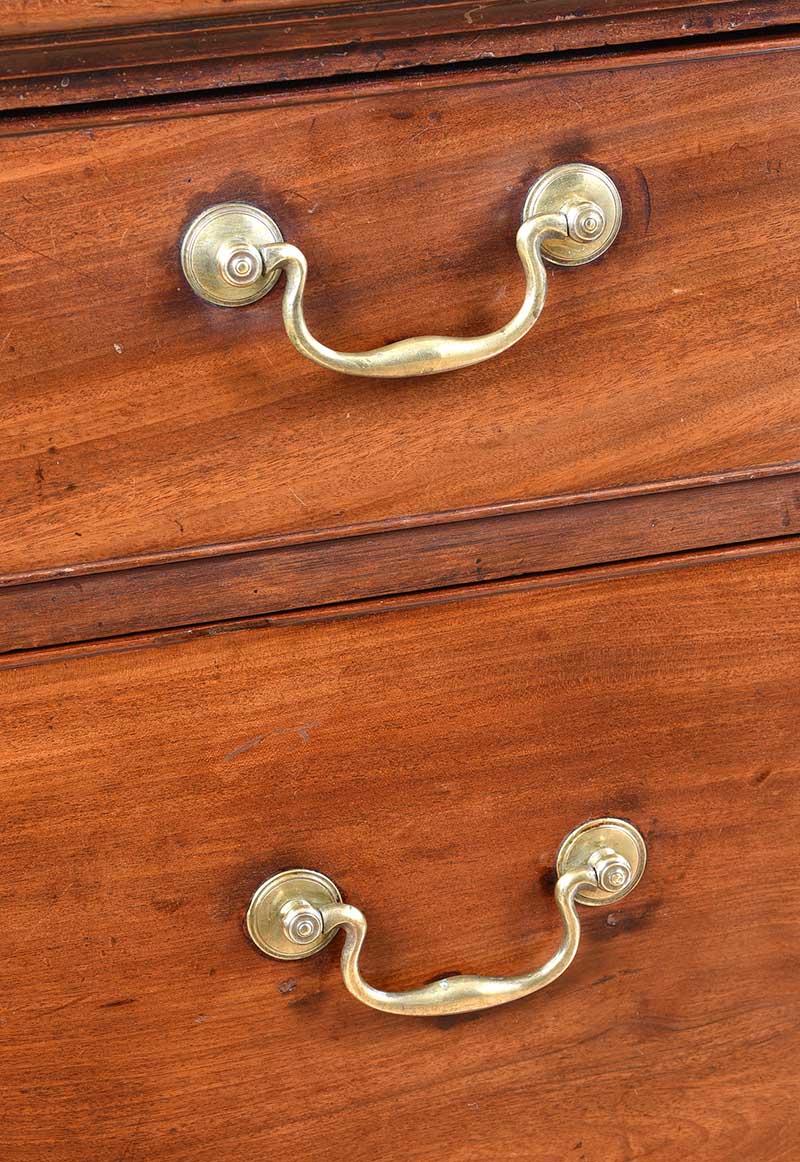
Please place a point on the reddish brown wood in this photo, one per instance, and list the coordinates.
(413, 521)
(382, 561)
(342, 681)
(616, 571)
(137, 419)
(431, 761)
(74, 63)
(21, 16)
(554, 64)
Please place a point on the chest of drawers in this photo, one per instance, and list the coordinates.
(406, 631)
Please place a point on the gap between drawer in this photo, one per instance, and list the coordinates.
(445, 551)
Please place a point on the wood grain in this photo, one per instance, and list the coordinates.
(436, 552)
(136, 418)
(47, 16)
(375, 607)
(19, 16)
(430, 760)
(276, 43)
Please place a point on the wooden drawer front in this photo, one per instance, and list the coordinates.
(137, 417)
(21, 16)
(430, 760)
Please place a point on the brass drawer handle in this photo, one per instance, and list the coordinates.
(232, 254)
(296, 913)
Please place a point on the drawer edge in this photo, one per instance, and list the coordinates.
(76, 66)
(424, 554)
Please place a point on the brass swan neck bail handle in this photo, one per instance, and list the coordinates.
(295, 914)
(233, 254)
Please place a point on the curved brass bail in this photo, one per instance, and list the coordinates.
(426, 354)
(296, 913)
(233, 254)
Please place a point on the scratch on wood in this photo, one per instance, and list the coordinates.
(26, 246)
(303, 730)
(297, 498)
(60, 1008)
(245, 746)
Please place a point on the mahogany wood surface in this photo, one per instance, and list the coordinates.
(21, 16)
(135, 418)
(429, 760)
(202, 49)
(613, 571)
(407, 633)
(442, 550)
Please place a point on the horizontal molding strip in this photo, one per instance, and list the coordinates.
(600, 574)
(486, 69)
(418, 555)
(397, 524)
(279, 45)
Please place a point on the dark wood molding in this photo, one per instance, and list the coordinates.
(422, 554)
(404, 523)
(287, 44)
(20, 119)
(597, 574)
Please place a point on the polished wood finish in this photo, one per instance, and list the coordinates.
(430, 760)
(255, 615)
(615, 571)
(440, 550)
(137, 419)
(21, 16)
(68, 61)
